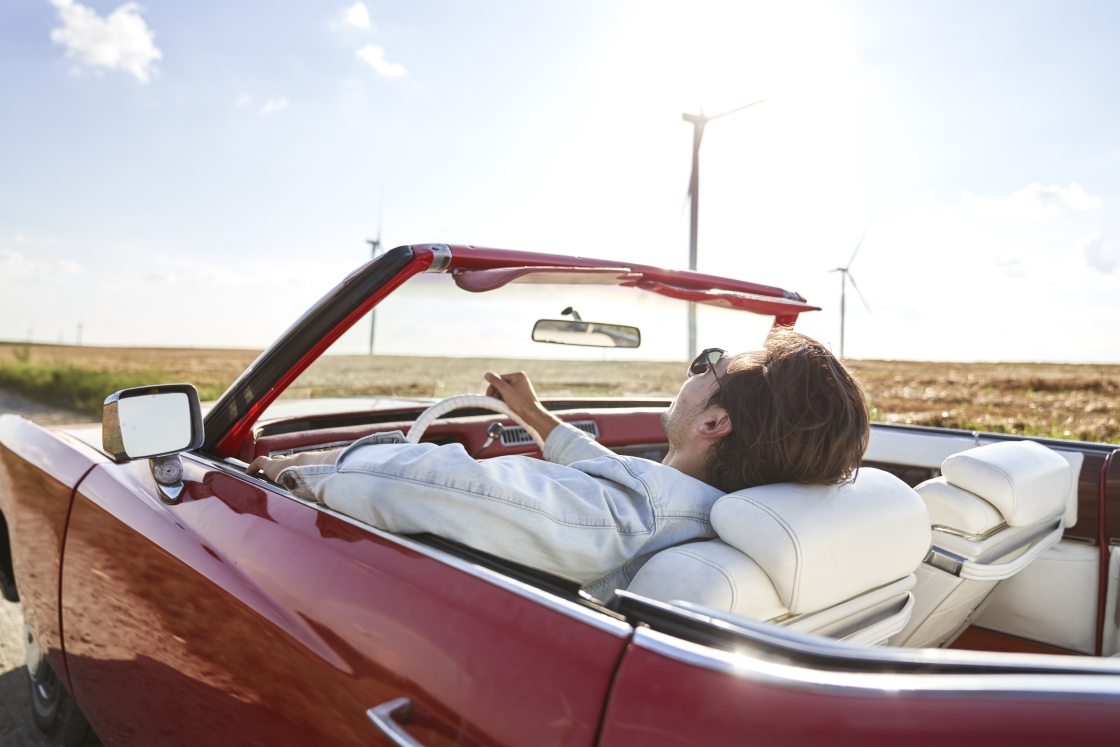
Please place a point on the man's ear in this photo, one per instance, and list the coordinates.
(714, 425)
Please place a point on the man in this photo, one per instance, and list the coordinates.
(789, 412)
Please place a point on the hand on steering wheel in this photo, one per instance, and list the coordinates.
(467, 400)
(517, 391)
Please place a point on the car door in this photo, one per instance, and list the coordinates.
(38, 472)
(244, 615)
(688, 681)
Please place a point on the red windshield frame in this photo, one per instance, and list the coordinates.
(696, 287)
(246, 403)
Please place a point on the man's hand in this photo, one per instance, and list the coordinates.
(516, 390)
(272, 467)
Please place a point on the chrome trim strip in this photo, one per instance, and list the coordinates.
(441, 256)
(965, 535)
(976, 571)
(944, 560)
(783, 619)
(570, 609)
(382, 718)
(833, 682)
(516, 435)
(315, 447)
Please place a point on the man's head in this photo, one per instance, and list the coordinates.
(789, 412)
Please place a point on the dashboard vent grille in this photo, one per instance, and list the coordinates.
(515, 435)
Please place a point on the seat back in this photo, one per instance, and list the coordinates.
(788, 552)
(993, 510)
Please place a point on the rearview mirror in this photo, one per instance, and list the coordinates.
(153, 421)
(591, 334)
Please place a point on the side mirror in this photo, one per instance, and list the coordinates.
(155, 423)
(590, 334)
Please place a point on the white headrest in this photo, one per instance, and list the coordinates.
(823, 544)
(949, 506)
(1026, 481)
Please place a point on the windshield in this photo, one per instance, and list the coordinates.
(432, 339)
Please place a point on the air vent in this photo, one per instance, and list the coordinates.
(515, 435)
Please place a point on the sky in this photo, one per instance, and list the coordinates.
(200, 173)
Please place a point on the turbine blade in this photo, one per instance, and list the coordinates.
(860, 242)
(861, 298)
(741, 108)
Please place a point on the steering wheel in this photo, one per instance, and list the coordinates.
(466, 400)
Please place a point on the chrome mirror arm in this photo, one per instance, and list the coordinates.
(168, 473)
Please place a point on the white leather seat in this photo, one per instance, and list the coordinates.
(835, 560)
(994, 510)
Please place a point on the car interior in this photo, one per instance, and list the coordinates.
(978, 555)
(945, 539)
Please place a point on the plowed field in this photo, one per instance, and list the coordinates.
(1044, 399)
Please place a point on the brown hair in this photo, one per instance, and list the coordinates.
(797, 415)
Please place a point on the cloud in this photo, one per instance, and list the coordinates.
(1035, 201)
(162, 270)
(119, 41)
(274, 105)
(34, 240)
(1010, 266)
(179, 271)
(356, 15)
(375, 56)
(15, 265)
(1098, 253)
(243, 100)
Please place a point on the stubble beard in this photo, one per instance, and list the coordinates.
(676, 431)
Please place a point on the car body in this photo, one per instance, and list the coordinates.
(242, 614)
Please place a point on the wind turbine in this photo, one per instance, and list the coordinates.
(845, 276)
(375, 247)
(699, 121)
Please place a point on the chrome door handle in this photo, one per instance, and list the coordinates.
(382, 718)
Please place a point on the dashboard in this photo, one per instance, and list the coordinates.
(631, 428)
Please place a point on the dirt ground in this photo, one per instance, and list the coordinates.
(16, 727)
(441, 377)
(39, 413)
(1080, 402)
(1044, 399)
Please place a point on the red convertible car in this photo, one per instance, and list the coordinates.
(963, 590)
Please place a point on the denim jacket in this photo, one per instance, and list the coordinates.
(586, 513)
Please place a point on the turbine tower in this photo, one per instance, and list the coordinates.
(699, 121)
(375, 247)
(845, 276)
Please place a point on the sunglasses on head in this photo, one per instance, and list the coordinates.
(705, 362)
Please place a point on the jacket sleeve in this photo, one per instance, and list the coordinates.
(579, 525)
(567, 444)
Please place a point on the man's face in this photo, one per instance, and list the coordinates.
(691, 403)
